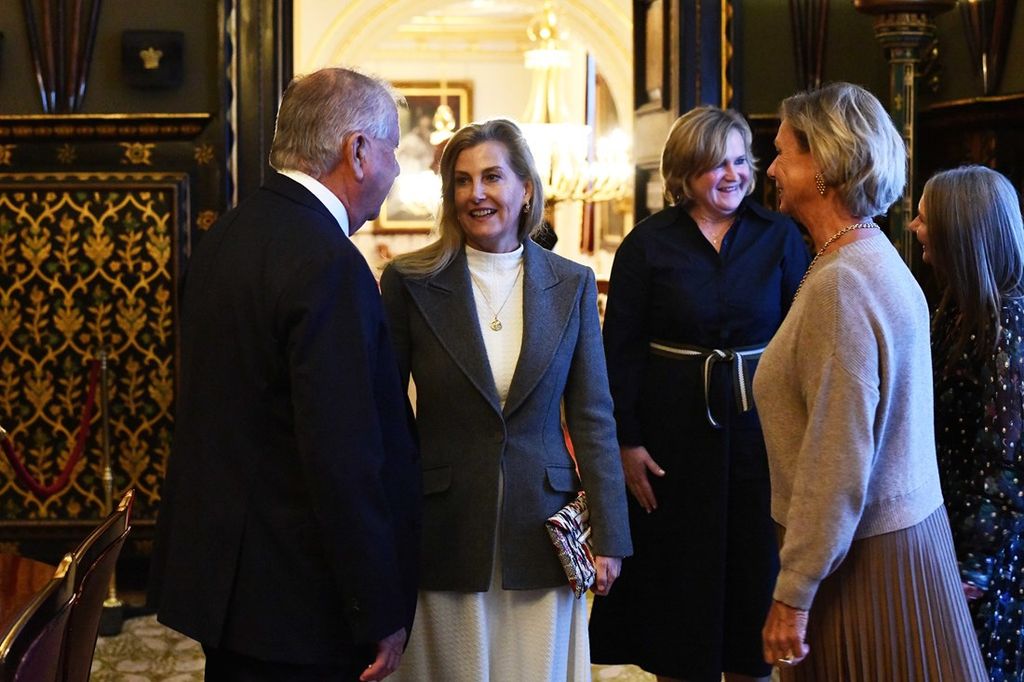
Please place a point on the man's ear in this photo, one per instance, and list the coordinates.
(354, 153)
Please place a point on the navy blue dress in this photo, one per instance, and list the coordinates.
(979, 429)
(692, 599)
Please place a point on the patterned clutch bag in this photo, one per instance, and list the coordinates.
(569, 529)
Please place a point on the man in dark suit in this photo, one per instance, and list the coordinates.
(289, 522)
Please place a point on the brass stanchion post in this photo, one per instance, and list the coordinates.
(113, 608)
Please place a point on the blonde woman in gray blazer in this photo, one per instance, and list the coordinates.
(498, 335)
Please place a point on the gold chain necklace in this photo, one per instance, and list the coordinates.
(828, 243)
(718, 237)
(711, 222)
(495, 322)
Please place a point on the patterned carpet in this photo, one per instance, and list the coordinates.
(146, 651)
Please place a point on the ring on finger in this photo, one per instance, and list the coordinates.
(787, 659)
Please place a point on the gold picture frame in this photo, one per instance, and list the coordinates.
(424, 134)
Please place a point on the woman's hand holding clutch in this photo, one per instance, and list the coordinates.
(608, 569)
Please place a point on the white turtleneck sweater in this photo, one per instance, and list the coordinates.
(496, 276)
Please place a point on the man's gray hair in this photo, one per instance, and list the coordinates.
(318, 110)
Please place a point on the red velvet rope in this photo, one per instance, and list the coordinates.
(83, 433)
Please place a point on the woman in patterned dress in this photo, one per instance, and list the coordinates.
(969, 226)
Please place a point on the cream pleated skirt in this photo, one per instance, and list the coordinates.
(893, 611)
(498, 636)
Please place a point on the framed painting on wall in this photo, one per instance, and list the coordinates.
(612, 221)
(652, 71)
(436, 110)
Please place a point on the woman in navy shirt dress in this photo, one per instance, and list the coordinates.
(696, 291)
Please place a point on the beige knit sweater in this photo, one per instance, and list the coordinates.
(844, 392)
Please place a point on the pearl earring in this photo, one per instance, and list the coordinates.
(819, 183)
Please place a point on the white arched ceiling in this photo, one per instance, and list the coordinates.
(326, 34)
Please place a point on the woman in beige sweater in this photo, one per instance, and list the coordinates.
(868, 587)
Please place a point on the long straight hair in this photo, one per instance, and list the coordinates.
(439, 254)
(976, 244)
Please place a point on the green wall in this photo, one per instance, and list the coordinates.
(106, 92)
(766, 66)
(959, 79)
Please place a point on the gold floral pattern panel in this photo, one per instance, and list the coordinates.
(88, 262)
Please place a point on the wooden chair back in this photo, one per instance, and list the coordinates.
(95, 560)
(31, 649)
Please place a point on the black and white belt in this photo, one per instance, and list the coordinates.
(736, 357)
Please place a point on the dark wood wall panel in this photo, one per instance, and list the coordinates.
(988, 131)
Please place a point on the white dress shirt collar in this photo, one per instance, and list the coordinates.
(330, 201)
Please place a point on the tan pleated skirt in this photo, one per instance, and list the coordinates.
(894, 611)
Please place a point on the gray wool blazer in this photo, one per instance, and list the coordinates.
(467, 439)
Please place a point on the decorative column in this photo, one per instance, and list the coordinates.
(904, 28)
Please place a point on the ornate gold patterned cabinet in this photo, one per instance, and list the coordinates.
(90, 259)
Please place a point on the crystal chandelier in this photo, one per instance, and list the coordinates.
(572, 164)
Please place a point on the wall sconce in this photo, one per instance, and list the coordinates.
(152, 59)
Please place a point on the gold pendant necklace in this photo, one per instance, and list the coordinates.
(828, 243)
(710, 223)
(495, 323)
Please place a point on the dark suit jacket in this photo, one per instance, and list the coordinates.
(289, 521)
(467, 438)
